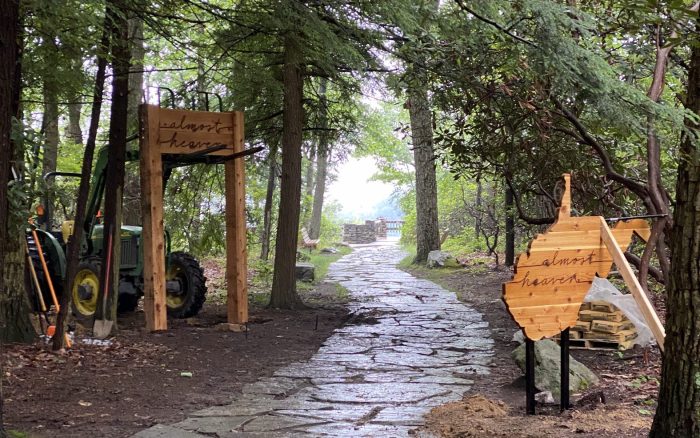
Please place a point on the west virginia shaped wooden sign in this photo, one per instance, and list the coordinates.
(552, 278)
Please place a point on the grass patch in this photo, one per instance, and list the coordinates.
(342, 293)
(261, 280)
(420, 270)
(16, 434)
(322, 261)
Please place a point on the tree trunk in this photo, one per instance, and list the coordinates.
(73, 248)
(284, 293)
(50, 127)
(322, 157)
(678, 412)
(115, 161)
(269, 200)
(14, 316)
(477, 208)
(14, 311)
(15, 325)
(510, 229)
(73, 131)
(132, 184)
(427, 230)
(307, 200)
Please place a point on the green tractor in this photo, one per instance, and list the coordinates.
(185, 283)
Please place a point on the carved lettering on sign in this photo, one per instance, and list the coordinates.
(216, 126)
(175, 143)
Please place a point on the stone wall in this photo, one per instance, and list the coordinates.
(353, 233)
(380, 228)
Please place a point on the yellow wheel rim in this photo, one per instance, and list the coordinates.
(172, 300)
(87, 279)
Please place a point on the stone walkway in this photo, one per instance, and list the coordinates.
(409, 346)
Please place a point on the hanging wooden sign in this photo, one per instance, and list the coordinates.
(552, 278)
(186, 132)
(174, 131)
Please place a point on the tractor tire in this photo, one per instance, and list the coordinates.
(193, 291)
(127, 303)
(85, 290)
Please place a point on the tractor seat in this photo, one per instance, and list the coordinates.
(67, 229)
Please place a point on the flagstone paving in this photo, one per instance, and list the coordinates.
(409, 346)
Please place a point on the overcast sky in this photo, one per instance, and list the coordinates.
(353, 190)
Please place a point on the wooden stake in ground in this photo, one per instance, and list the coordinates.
(633, 284)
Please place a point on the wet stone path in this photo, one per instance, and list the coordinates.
(409, 346)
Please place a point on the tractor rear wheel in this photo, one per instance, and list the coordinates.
(186, 291)
(85, 290)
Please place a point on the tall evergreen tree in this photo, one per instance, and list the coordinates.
(421, 115)
(14, 319)
(678, 412)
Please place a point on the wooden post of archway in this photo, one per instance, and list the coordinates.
(173, 131)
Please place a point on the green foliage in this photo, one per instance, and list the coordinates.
(331, 225)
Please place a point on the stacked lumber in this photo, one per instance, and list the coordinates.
(601, 325)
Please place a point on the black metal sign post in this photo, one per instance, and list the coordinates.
(564, 389)
(529, 376)
(564, 400)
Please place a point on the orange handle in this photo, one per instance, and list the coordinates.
(46, 271)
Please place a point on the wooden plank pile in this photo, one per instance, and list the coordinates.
(601, 325)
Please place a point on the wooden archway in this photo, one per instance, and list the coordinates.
(194, 133)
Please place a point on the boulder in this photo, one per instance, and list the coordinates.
(441, 259)
(548, 368)
(305, 272)
(330, 250)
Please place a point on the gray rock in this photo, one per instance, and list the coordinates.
(441, 259)
(329, 250)
(305, 272)
(545, 398)
(548, 368)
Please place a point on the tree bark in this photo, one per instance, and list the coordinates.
(322, 155)
(678, 412)
(73, 247)
(269, 200)
(50, 127)
(73, 131)
(14, 310)
(510, 229)
(284, 294)
(114, 178)
(307, 200)
(8, 53)
(132, 184)
(477, 208)
(427, 229)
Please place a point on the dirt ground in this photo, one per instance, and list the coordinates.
(495, 406)
(146, 378)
